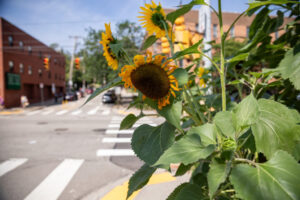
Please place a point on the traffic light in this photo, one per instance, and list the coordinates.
(77, 63)
(46, 63)
(165, 46)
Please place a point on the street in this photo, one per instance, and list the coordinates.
(64, 151)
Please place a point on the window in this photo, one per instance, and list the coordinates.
(40, 54)
(40, 72)
(55, 61)
(215, 31)
(29, 49)
(11, 66)
(21, 68)
(21, 44)
(10, 40)
(232, 32)
(29, 70)
(247, 31)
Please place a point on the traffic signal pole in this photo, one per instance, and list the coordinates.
(72, 62)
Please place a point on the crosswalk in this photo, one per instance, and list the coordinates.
(70, 112)
(113, 129)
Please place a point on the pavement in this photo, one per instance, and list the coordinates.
(98, 178)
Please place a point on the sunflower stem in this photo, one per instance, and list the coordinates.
(169, 39)
(222, 72)
(129, 61)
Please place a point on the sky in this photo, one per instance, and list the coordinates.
(54, 21)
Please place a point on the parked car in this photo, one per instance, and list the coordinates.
(109, 97)
(71, 96)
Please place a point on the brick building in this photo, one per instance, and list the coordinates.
(22, 70)
(239, 31)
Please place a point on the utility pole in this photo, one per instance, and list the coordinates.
(72, 61)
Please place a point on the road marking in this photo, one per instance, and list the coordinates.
(33, 112)
(11, 164)
(116, 140)
(115, 152)
(61, 112)
(47, 112)
(120, 192)
(76, 112)
(55, 183)
(105, 112)
(93, 111)
(114, 131)
(134, 126)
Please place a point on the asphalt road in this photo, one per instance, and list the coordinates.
(64, 151)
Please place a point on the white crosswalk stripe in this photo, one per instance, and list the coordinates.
(105, 112)
(116, 140)
(54, 184)
(11, 164)
(33, 112)
(61, 112)
(115, 131)
(93, 111)
(47, 112)
(76, 112)
(115, 152)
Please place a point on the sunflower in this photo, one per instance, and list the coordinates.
(153, 19)
(107, 39)
(200, 73)
(152, 77)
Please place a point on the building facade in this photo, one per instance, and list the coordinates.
(22, 68)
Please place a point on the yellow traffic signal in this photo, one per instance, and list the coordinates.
(46, 63)
(165, 46)
(77, 63)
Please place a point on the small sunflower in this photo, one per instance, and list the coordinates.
(107, 39)
(153, 19)
(152, 77)
(200, 73)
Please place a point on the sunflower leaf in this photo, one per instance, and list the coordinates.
(128, 121)
(149, 41)
(116, 49)
(190, 50)
(172, 16)
(150, 142)
(117, 81)
(181, 76)
(172, 113)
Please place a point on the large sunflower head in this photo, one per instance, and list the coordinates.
(154, 20)
(152, 77)
(107, 39)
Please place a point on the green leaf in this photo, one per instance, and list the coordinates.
(190, 50)
(187, 150)
(276, 128)
(182, 169)
(190, 192)
(289, 67)
(173, 195)
(117, 81)
(216, 176)
(116, 48)
(172, 16)
(206, 132)
(181, 76)
(225, 122)
(199, 2)
(255, 4)
(239, 57)
(150, 142)
(139, 179)
(276, 179)
(247, 111)
(128, 121)
(172, 113)
(149, 41)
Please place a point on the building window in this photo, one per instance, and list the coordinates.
(215, 31)
(10, 40)
(248, 31)
(29, 70)
(21, 68)
(232, 32)
(11, 66)
(40, 72)
(55, 61)
(21, 44)
(29, 49)
(40, 54)
(276, 35)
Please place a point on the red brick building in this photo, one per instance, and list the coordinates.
(22, 70)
